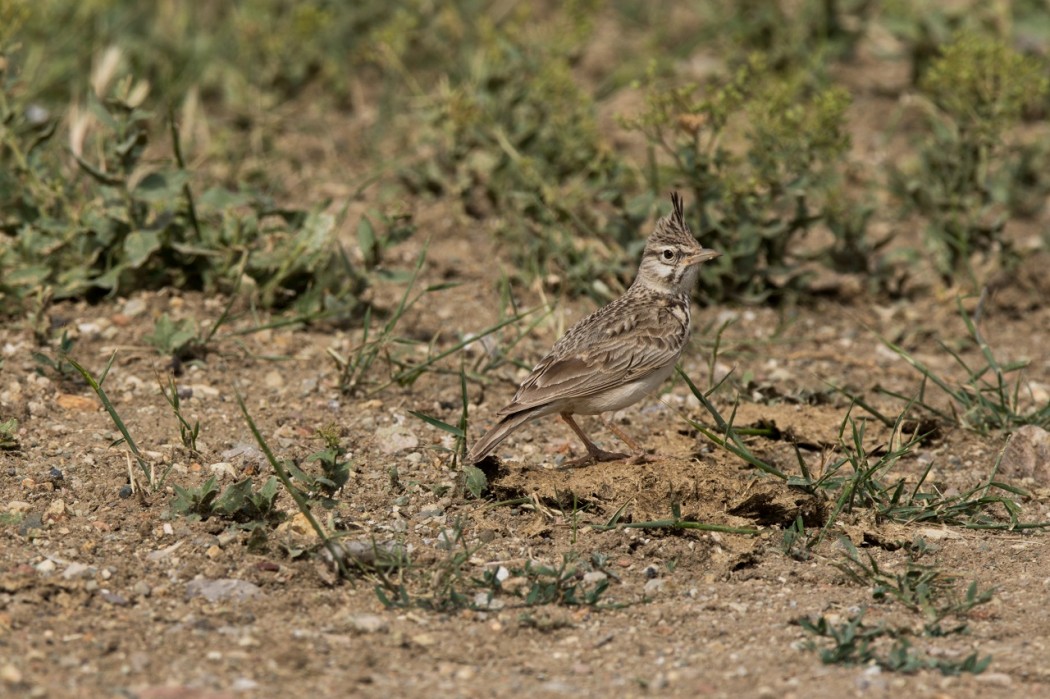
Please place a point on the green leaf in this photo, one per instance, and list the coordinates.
(234, 497)
(139, 245)
(433, 421)
(267, 493)
(196, 501)
(220, 199)
(170, 337)
(476, 481)
(9, 434)
(160, 187)
(366, 241)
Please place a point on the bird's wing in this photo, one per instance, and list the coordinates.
(605, 350)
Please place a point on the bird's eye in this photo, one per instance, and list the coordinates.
(668, 255)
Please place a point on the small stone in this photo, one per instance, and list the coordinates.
(447, 539)
(221, 589)
(161, 554)
(204, 390)
(74, 403)
(395, 438)
(998, 679)
(46, 566)
(10, 674)
(134, 307)
(366, 623)
(654, 586)
(114, 599)
(125, 492)
(514, 585)
(142, 589)
(297, 525)
(75, 570)
(274, 379)
(1027, 455)
(32, 522)
(484, 600)
(223, 469)
(594, 577)
(424, 639)
(56, 510)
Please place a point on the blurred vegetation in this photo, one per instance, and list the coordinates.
(507, 110)
(975, 94)
(758, 151)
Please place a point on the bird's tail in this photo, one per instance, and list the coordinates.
(497, 434)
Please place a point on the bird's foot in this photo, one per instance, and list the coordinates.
(595, 456)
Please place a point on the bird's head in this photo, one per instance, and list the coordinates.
(672, 257)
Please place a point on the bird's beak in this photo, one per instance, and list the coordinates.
(702, 256)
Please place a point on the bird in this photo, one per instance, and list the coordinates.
(618, 354)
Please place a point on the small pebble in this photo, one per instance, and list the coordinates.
(75, 570)
(998, 679)
(114, 599)
(10, 674)
(221, 589)
(654, 586)
(31, 523)
(395, 438)
(274, 379)
(366, 623)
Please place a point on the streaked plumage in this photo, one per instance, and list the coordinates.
(621, 352)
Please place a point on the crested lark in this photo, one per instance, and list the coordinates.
(621, 352)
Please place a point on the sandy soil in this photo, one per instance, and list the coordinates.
(109, 593)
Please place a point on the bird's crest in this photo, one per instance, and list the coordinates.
(672, 228)
(679, 210)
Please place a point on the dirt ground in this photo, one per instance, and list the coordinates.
(106, 595)
(99, 596)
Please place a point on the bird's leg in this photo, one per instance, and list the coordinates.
(640, 457)
(593, 452)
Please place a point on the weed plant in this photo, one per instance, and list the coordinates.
(994, 395)
(516, 135)
(9, 435)
(754, 205)
(856, 477)
(935, 597)
(974, 94)
(105, 219)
